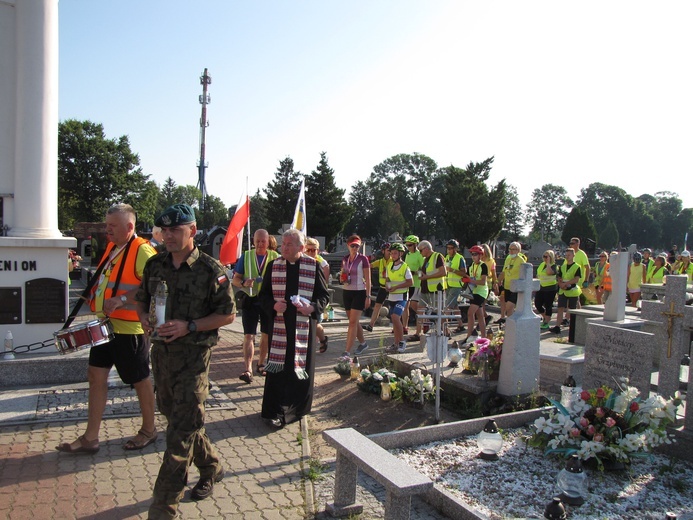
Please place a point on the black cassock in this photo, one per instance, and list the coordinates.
(287, 397)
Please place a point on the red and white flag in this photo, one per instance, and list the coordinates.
(233, 241)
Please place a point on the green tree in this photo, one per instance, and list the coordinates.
(514, 219)
(603, 202)
(326, 209)
(215, 214)
(146, 203)
(94, 172)
(682, 226)
(408, 180)
(187, 194)
(608, 238)
(258, 212)
(472, 212)
(578, 224)
(281, 195)
(547, 210)
(167, 195)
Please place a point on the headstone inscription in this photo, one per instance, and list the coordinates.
(519, 370)
(612, 353)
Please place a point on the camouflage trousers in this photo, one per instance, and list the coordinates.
(181, 375)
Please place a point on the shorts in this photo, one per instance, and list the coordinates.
(128, 352)
(382, 296)
(633, 291)
(478, 300)
(414, 293)
(354, 300)
(451, 297)
(252, 313)
(510, 296)
(567, 301)
(397, 308)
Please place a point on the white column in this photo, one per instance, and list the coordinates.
(36, 147)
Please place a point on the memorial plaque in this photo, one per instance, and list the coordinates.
(10, 305)
(45, 301)
(612, 353)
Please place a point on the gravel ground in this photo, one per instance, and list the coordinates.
(523, 481)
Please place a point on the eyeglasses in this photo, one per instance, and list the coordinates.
(355, 245)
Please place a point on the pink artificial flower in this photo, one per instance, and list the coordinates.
(601, 394)
(575, 432)
(584, 422)
(599, 412)
(482, 342)
(585, 395)
(634, 407)
(598, 437)
(591, 430)
(610, 422)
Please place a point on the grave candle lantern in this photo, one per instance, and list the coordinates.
(572, 482)
(490, 441)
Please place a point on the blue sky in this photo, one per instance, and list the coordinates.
(562, 93)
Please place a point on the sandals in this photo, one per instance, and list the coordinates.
(261, 369)
(85, 446)
(141, 440)
(323, 345)
(246, 376)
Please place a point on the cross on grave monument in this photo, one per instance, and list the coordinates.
(519, 369)
(615, 306)
(669, 321)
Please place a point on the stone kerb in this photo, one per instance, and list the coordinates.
(612, 353)
(519, 370)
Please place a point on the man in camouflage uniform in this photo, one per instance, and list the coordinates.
(199, 302)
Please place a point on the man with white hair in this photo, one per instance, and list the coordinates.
(433, 273)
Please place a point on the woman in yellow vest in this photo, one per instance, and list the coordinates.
(397, 283)
(548, 287)
(568, 280)
(659, 270)
(685, 266)
(478, 274)
(511, 271)
(636, 276)
(381, 265)
(600, 269)
(457, 269)
(311, 250)
(491, 280)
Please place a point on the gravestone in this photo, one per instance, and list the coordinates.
(612, 353)
(671, 339)
(615, 306)
(519, 370)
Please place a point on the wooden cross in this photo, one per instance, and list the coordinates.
(670, 326)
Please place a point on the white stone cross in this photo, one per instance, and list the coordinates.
(615, 306)
(519, 370)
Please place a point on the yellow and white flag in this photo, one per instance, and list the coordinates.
(300, 213)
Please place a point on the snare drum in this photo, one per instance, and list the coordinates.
(84, 335)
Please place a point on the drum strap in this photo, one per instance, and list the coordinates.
(95, 277)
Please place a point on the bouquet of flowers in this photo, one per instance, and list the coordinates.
(416, 387)
(370, 381)
(343, 366)
(606, 425)
(487, 354)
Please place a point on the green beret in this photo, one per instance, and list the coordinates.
(176, 215)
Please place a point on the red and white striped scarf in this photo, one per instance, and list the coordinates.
(306, 283)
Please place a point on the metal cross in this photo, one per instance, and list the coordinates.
(670, 326)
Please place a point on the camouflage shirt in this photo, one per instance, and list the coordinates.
(198, 288)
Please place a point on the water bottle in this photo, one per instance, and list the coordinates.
(160, 301)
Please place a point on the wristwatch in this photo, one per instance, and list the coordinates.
(192, 327)
(123, 298)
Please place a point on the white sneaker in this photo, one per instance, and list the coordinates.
(402, 347)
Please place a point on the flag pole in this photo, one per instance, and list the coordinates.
(248, 195)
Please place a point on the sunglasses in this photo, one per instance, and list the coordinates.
(546, 256)
(409, 245)
(311, 249)
(355, 245)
